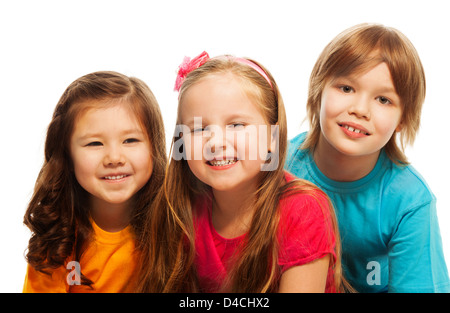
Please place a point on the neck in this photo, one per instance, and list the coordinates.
(110, 217)
(231, 213)
(341, 167)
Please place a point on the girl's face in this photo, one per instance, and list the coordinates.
(359, 114)
(227, 138)
(111, 154)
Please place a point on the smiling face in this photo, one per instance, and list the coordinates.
(228, 137)
(111, 154)
(359, 114)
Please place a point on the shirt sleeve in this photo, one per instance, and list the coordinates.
(306, 231)
(416, 260)
(37, 282)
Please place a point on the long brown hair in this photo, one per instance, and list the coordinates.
(359, 49)
(171, 235)
(58, 214)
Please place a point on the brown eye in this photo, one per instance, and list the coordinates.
(131, 140)
(346, 89)
(94, 144)
(384, 100)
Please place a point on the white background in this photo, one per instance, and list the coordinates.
(45, 45)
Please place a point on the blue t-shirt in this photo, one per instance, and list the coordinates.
(387, 222)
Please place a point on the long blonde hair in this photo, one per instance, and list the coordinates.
(169, 267)
(359, 49)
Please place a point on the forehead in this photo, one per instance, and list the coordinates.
(380, 70)
(95, 107)
(218, 95)
(97, 114)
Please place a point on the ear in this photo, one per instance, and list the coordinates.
(399, 127)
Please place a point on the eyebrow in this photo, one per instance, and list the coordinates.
(230, 118)
(124, 133)
(382, 89)
(387, 89)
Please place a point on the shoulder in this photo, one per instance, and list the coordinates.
(406, 203)
(303, 204)
(406, 186)
(294, 150)
(300, 190)
(39, 282)
(298, 140)
(306, 229)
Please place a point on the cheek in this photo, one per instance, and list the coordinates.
(329, 106)
(253, 144)
(240, 143)
(326, 115)
(84, 172)
(192, 147)
(387, 122)
(83, 164)
(145, 164)
(142, 161)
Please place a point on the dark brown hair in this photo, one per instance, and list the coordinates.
(58, 215)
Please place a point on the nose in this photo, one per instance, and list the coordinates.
(360, 107)
(215, 141)
(114, 156)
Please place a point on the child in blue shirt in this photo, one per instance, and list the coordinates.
(366, 89)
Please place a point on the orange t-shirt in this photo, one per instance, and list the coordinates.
(109, 261)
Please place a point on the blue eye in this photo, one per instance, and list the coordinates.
(200, 130)
(236, 126)
(197, 130)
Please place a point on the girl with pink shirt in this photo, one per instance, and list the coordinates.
(231, 219)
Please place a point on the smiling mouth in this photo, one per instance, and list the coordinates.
(355, 130)
(221, 162)
(115, 177)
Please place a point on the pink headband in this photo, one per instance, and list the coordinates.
(253, 66)
(189, 65)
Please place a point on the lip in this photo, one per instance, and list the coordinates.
(349, 127)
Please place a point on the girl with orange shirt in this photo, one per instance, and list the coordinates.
(104, 162)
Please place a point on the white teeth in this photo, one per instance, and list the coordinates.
(221, 162)
(115, 177)
(355, 130)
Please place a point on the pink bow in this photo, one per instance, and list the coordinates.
(188, 66)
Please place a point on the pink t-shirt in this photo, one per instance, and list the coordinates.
(304, 233)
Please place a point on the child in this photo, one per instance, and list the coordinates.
(233, 220)
(367, 86)
(104, 162)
